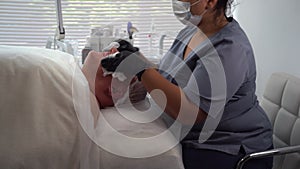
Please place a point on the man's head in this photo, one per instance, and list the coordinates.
(106, 89)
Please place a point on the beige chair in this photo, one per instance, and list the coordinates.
(281, 101)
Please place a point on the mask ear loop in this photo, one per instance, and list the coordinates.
(204, 11)
(195, 3)
(206, 8)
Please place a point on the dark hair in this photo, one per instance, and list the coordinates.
(225, 7)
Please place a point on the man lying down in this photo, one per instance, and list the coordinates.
(127, 137)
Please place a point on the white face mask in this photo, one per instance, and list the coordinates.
(183, 13)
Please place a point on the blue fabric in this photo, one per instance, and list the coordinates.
(243, 122)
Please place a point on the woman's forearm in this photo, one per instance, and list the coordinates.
(171, 98)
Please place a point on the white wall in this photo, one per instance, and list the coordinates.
(273, 27)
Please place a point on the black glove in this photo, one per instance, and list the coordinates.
(127, 62)
(125, 45)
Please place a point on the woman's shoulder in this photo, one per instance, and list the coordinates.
(233, 37)
(186, 32)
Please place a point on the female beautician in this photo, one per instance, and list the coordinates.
(243, 127)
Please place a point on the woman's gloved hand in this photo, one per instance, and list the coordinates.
(137, 92)
(125, 45)
(127, 62)
(120, 45)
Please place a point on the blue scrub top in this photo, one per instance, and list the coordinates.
(220, 68)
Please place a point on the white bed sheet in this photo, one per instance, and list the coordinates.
(170, 159)
(39, 127)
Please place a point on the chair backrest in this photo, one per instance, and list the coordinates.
(281, 101)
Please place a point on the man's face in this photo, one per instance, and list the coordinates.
(106, 89)
(103, 89)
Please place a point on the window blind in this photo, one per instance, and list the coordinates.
(32, 22)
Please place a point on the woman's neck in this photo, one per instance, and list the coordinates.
(211, 26)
